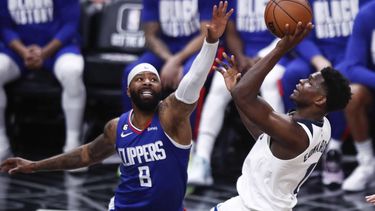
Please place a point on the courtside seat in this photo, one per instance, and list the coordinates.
(34, 116)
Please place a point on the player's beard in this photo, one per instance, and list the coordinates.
(146, 105)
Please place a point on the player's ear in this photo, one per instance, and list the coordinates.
(320, 100)
(128, 92)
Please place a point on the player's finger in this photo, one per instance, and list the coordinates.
(225, 56)
(229, 13)
(13, 170)
(218, 10)
(306, 30)
(225, 6)
(238, 76)
(220, 70)
(287, 29)
(372, 201)
(233, 61)
(219, 62)
(299, 29)
(214, 10)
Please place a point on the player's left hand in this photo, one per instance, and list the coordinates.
(16, 165)
(371, 199)
(218, 22)
(229, 71)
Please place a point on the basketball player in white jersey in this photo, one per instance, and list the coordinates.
(288, 146)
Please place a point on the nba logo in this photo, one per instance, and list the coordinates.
(128, 27)
(129, 18)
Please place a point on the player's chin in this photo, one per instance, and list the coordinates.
(293, 96)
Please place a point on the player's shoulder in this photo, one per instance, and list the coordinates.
(311, 125)
(111, 125)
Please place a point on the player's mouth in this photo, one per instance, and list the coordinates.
(147, 93)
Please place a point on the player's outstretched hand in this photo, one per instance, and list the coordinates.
(292, 38)
(229, 71)
(16, 165)
(371, 199)
(218, 22)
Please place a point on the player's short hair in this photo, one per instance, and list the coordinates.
(337, 88)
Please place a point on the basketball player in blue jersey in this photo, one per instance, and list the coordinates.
(288, 146)
(246, 37)
(333, 20)
(359, 67)
(174, 32)
(153, 139)
(43, 34)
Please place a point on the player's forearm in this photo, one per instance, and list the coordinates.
(190, 86)
(248, 87)
(75, 159)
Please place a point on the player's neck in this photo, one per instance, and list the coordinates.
(308, 114)
(141, 119)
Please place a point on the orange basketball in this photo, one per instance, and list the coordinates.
(281, 12)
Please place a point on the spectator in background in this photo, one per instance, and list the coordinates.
(153, 139)
(43, 35)
(246, 37)
(325, 47)
(359, 67)
(173, 37)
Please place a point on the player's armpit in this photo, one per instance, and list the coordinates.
(175, 119)
(103, 146)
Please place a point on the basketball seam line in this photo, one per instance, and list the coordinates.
(285, 11)
(308, 9)
(274, 19)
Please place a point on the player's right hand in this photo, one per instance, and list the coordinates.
(17, 165)
(292, 38)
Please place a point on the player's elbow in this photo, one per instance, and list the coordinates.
(239, 96)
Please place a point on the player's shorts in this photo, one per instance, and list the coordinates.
(234, 203)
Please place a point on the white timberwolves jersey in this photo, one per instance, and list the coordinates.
(268, 183)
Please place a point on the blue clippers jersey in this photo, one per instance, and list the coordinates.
(179, 19)
(249, 20)
(333, 20)
(359, 63)
(39, 22)
(153, 170)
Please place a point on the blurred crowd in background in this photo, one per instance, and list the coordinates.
(64, 65)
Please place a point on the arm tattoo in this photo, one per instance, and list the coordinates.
(88, 154)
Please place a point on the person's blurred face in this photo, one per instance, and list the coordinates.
(309, 90)
(145, 91)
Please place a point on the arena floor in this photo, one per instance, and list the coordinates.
(92, 189)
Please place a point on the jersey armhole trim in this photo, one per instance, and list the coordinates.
(181, 146)
(307, 130)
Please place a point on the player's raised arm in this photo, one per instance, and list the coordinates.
(245, 93)
(176, 109)
(102, 147)
(230, 71)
